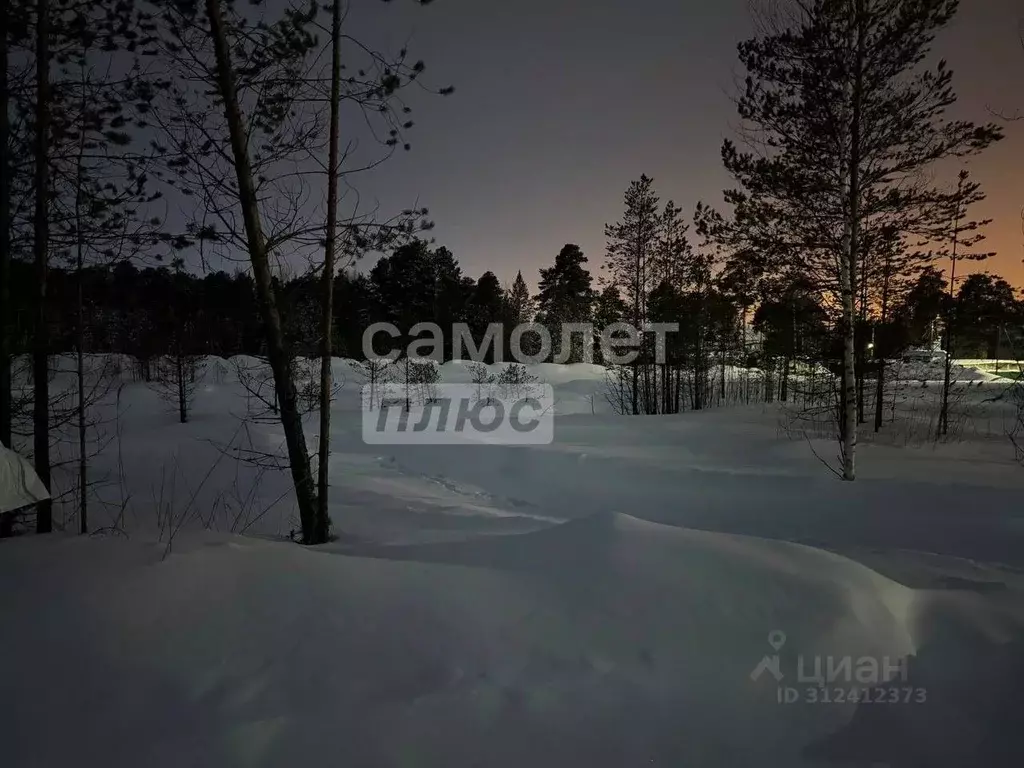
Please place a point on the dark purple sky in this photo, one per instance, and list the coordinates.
(560, 103)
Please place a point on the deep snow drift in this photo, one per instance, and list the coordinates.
(606, 642)
(600, 601)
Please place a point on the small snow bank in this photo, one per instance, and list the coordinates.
(554, 373)
(461, 371)
(922, 370)
(603, 642)
(966, 679)
(19, 484)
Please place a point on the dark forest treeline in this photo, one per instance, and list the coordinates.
(156, 311)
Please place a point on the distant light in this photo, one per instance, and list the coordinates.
(871, 345)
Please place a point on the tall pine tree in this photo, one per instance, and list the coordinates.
(632, 247)
(844, 120)
(566, 297)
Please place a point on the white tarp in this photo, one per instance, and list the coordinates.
(19, 484)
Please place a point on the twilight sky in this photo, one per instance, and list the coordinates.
(560, 103)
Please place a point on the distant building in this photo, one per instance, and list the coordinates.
(930, 354)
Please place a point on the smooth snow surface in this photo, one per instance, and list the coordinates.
(601, 601)
(935, 372)
(607, 641)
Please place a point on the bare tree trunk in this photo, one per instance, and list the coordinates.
(651, 385)
(6, 329)
(277, 352)
(698, 366)
(848, 394)
(862, 317)
(880, 383)
(179, 364)
(408, 402)
(744, 394)
(861, 363)
(83, 462)
(664, 388)
(636, 388)
(723, 373)
(848, 262)
(40, 356)
(947, 368)
(323, 521)
(948, 333)
(947, 375)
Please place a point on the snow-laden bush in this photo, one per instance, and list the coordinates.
(306, 371)
(376, 374)
(484, 380)
(423, 377)
(416, 382)
(516, 382)
(176, 378)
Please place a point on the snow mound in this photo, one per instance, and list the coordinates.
(918, 370)
(606, 641)
(19, 484)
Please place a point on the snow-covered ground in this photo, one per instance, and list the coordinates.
(603, 600)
